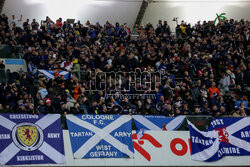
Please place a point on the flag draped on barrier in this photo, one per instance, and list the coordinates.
(100, 136)
(225, 136)
(157, 122)
(31, 139)
(50, 74)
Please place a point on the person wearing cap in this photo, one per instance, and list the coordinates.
(49, 108)
(59, 23)
(22, 109)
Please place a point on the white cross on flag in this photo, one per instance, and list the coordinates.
(31, 139)
(158, 122)
(224, 137)
(100, 136)
(50, 74)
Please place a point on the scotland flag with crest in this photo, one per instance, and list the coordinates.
(157, 122)
(100, 136)
(31, 139)
(224, 137)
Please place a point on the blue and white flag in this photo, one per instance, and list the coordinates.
(31, 139)
(225, 136)
(100, 136)
(50, 74)
(157, 122)
(32, 68)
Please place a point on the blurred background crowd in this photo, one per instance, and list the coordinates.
(204, 69)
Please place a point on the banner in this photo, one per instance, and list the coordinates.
(157, 122)
(225, 136)
(50, 74)
(155, 148)
(31, 139)
(100, 136)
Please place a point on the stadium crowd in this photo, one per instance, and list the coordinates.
(204, 69)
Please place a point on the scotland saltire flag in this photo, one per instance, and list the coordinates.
(100, 136)
(31, 139)
(157, 122)
(225, 136)
(50, 74)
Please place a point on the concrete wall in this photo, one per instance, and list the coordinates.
(124, 11)
(192, 11)
(15, 64)
(127, 10)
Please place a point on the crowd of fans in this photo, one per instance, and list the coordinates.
(204, 69)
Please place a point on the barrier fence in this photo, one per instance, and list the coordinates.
(201, 122)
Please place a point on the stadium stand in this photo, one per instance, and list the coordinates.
(205, 68)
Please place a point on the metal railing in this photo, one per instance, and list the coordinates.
(201, 122)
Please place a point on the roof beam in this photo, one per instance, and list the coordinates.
(141, 12)
(1, 5)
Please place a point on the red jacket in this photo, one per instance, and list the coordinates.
(213, 90)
